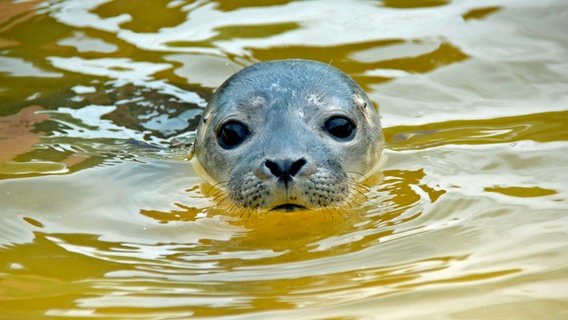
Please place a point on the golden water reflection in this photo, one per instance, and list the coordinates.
(102, 217)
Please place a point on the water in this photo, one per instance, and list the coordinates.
(102, 216)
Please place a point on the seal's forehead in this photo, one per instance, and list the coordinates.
(287, 82)
(283, 98)
(285, 75)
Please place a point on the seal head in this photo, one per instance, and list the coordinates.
(288, 135)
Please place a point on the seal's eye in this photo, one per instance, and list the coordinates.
(340, 127)
(232, 134)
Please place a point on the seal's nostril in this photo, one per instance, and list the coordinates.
(296, 166)
(274, 168)
(285, 169)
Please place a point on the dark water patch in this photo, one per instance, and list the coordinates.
(411, 4)
(237, 31)
(481, 13)
(523, 192)
(442, 54)
(229, 5)
(148, 16)
(106, 219)
(540, 127)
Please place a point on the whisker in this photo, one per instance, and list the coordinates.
(334, 211)
(223, 200)
(359, 186)
(245, 213)
(248, 213)
(325, 211)
(358, 189)
(362, 177)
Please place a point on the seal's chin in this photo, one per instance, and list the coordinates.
(288, 207)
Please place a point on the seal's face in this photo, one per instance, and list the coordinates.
(287, 135)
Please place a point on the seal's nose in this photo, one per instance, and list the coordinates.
(284, 170)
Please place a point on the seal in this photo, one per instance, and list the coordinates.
(288, 135)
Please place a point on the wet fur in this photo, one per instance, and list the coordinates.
(284, 104)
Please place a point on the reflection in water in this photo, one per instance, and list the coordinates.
(149, 16)
(371, 57)
(101, 216)
(480, 13)
(536, 127)
(414, 3)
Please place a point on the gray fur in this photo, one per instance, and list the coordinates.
(285, 105)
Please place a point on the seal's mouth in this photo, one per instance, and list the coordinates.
(288, 207)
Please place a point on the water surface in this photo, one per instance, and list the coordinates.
(102, 217)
